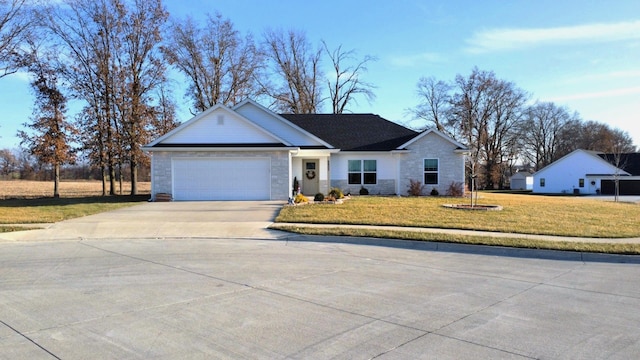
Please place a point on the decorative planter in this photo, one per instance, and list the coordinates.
(480, 207)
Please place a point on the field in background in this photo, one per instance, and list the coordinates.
(25, 189)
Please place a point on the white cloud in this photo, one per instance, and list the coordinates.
(597, 94)
(508, 39)
(619, 76)
(416, 59)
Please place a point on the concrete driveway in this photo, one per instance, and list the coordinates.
(210, 219)
(295, 297)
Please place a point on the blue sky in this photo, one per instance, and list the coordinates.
(581, 54)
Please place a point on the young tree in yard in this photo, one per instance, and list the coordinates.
(297, 67)
(220, 65)
(50, 132)
(346, 82)
(617, 144)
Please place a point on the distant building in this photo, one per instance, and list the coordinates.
(522, 180)
(590, 172)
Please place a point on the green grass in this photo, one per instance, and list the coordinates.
(608, 248)
(525, 214)
(49, 210)
(4, 229)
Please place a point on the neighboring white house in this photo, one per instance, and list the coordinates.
(589, 172)
(251, 153)
(522, 180)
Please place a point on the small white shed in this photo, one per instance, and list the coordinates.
(522, 180)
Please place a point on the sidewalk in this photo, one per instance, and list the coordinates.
(636, 240)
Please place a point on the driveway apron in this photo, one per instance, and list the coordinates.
(193, 219)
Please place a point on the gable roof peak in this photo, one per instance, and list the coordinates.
(433, 130)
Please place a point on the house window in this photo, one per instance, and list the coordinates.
(363, 172)
(431, 171)
(581, 182)
(542, 182)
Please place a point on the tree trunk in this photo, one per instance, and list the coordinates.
(56, 180)
(119, 178)
(112, 180)
(103, 177)
(134, 177)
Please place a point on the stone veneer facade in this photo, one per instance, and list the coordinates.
(451, 164)
(162, 177)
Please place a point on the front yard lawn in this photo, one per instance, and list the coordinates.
(49, 210)
(525, 214)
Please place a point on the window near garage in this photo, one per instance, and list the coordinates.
(431, 171)
(542, 182)
(581, 183)
(363, 172)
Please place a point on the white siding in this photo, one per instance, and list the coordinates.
(221, 127)
(386, 164)
(277, 126)
(386, 172)
(563, 176)
(521, 181)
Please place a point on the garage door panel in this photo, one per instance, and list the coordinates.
(222, 179)
(626, 187)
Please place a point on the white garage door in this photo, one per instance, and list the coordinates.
(222, 179)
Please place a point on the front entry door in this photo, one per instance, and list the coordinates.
(311, 176)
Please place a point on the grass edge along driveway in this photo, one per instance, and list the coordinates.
(50, 210)
(522, 214)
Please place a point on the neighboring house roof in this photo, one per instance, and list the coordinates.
(629, 162)
(354, 132)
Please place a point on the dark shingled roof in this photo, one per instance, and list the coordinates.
(354, 132)
(629, 162)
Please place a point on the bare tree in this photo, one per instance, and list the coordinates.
(346, 80)
(8, 162)
(540, 132)
(50, 132)
(297, 66)
(435, 104)
(221, 65)
(617, 145)
(590, 135)
(87, 31)
(486, 110)
(15, 24)
(142, 73)
(164, 118)
(112, 51)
